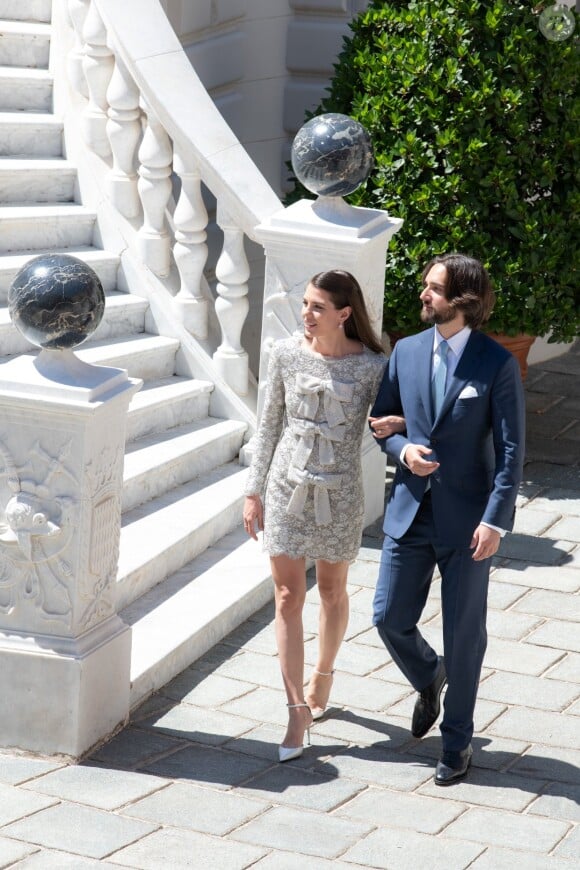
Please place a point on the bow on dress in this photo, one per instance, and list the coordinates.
(306, 431)
(321, 483)
(334, 394)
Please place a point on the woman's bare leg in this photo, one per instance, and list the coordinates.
(331, 578)
(290, 591)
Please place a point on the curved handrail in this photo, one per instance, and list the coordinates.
(140, 31)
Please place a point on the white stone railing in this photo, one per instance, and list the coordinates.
(148, 116)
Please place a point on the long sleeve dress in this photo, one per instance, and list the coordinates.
(307, 458)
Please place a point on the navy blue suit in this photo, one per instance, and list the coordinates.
(478, 439)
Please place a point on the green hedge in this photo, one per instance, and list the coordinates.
(474, 118)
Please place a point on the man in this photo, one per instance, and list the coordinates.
(459, 465)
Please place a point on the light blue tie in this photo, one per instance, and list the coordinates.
(439, 378)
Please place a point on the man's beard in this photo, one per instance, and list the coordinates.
(428, 315)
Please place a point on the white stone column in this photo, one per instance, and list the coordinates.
(308, 237)
(64, 652)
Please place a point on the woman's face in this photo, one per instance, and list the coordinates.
(321, 319)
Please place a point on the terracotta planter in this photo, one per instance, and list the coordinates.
(518, 345)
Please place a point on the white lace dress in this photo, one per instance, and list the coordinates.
(307, 458)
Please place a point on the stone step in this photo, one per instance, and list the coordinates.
(160, 537)
(180, 620)
(148, 357)
(104, 263)
(29, 134)
(157, 463)
(34, 180)
(26, 10)
(25, 90)
(124, 314)
(163, 404)
(34, 227)
(24, 44)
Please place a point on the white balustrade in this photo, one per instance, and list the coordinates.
(124, 132)
(190, 249)
(232, 272)
(154, 185)
(98, 67)
(77, 12)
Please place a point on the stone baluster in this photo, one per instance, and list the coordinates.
(232, 305)
(98, 68)
(124, 132)
(77, 12)
(154, 185)
(190, 249)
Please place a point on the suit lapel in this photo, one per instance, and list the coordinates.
(466, 368)
(424, 362)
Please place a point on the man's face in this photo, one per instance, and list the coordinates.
(436, 308)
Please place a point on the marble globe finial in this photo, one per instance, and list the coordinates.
(332, 155)
(56, 301)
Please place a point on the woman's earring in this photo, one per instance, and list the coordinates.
(341, 325)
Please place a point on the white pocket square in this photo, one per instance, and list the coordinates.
(468, 393)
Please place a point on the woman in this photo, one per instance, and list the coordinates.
(307, 462)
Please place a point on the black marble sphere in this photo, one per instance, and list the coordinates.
(56, 301)
(332, 155)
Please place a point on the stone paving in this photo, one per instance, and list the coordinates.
(193, 780)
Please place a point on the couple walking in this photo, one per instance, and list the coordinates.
(448, 409)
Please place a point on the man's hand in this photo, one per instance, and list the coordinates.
(253, 513)
(415, 461)
(486, 542)
(384, 426)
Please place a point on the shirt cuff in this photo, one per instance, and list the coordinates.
(502, 532)
(402, 457)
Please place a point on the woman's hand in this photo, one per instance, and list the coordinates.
(384, 426)
(253, 513)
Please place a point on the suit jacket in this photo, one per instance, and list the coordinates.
(478, 437)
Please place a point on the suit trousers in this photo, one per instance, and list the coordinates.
(405, 575)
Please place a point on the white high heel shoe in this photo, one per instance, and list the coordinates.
(287, 753)
(319, 712)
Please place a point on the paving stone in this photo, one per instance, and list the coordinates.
(134, 746)
(502, 595)
(364, 572)
(557, 605)
(485, 711)
(262, 705)
(561, 499)
(362, 601)
(205, 690)
(543, 551)
(182, 805)
(535, 692)
(570, 846)
(205, 765)
(286, 861)
(573, 558)
(179, 850)
(356, 726)
(95, 786)
(550, 476)
(404, 850)
(253, 667)
(153, 706)
(355, 659)
(15, 769)
(535, 522)
(526, 493)
(488, 788)
(508, 859)
(379, 767)
(557, 634)
(11, 851)
(263, 743)
(252, 636)
(553, 729)
(489, 752)
(509, 830)
(567, 529)
(566, 669)
(509, 625)
(200, 724)
(384, 807)
(371, 638)
(15, 803)
(304, 832)
(522, 658)
(558, 801)
(81, 830)
(560, 579)
(550, 763)
(43, 859)
(287, 784)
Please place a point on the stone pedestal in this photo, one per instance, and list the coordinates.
(64, 652)
(308, 237)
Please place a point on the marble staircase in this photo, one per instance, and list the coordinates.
(186, 574)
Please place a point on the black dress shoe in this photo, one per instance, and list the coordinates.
(428, 704)
(453, 766)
